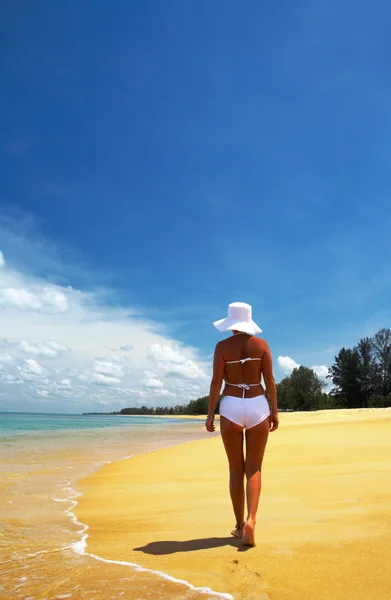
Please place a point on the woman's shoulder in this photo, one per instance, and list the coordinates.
(253, 341)
(221, 344)
(259, 343)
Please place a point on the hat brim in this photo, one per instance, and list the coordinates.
(227, 324)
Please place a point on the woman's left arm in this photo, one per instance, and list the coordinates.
(215, 386)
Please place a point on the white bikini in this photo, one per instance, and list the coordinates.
(246, 412)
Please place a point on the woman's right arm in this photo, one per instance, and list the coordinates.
(267, 372)
(215, 386)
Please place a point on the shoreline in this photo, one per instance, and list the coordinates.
(94, 509)
(323, 411)
(79, 547)
(190, 417)
(41, 493)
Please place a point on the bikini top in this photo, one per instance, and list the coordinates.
(244, 386)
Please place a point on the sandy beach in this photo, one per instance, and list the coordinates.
(41, 460)
(323, 526)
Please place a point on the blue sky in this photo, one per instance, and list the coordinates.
(170, 158)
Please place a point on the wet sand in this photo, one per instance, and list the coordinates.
(39, 472)
(323, 528)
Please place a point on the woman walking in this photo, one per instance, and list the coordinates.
(241, 360)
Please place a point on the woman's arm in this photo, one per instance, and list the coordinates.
(267, 372)
(215, 386)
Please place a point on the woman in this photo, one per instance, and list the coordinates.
(241, 360)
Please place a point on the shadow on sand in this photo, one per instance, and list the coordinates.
(171, 547)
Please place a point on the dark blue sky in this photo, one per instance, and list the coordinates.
(190, 154)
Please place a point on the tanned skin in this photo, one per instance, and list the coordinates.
(241, 345)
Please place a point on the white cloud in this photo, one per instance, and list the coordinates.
(2, 261)
(322, 371)
(30, 377)
(145, 394)
(149, 374)
(164, 393)
(287, 364)
(54, 388)
(173, 363)
(49, 348)
(108, 367)
(151, 382)
(10, 379)
(58, 343)
(107, 371)
(32, 366)
(46, 299)
(99, 379)
(5, 357)
(30, 371)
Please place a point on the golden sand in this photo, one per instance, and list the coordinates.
(324, 526)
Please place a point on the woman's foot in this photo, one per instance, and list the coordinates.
(248, 533)
(238, 531)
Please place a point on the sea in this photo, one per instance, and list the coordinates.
(43, 548)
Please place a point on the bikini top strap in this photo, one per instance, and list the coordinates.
(242, 360)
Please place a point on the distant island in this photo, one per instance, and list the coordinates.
(195, 407)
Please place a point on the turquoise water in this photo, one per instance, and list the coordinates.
(43, 458)
(20, 423)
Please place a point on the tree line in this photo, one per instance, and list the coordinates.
(362, 375)
(194, 407)
(361, 378)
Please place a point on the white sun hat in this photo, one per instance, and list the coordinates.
(239, 319)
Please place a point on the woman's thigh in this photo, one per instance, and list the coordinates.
(232, 435)
(256, 440)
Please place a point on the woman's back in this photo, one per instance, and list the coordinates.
(233, 352)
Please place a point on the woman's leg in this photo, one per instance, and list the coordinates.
(232, 435)
(256, 440)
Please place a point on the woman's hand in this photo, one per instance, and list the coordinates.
(274, 421)
(209, 424)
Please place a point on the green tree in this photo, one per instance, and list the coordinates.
(284, 396)
(367, 369)
(382, 351)
(198, 407)
(305, 389)
(345, 375)
(377, 401)
(327, 401)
